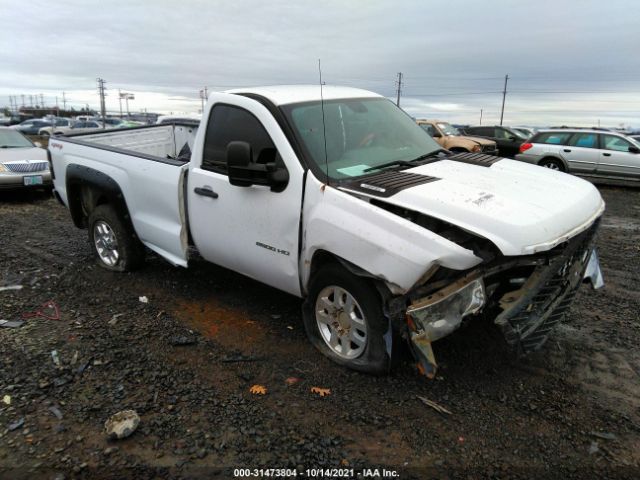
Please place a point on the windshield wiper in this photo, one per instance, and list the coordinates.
(408, 163)
(434, 153)
(404, 163)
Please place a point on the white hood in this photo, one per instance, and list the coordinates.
(521, 208)
(21, 154)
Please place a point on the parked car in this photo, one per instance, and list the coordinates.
(342, 200)
(85, 126)
(452, 139)
(189, 118)
(508, 140)
(60, 127)
(528, 132)
(85, 118)
(31, 127)
(4, 120)
(22, 162)
(584, 151)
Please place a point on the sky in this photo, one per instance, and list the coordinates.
(572, 62)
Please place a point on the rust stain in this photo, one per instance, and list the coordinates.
(225, 324)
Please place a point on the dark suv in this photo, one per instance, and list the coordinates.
(507, 139)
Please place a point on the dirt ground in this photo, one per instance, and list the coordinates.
(186, 359)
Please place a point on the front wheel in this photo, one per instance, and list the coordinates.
(343, 319)
(114, 244)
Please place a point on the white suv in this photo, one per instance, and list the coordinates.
(589, 152)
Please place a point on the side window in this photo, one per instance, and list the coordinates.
(611, 142)
(230, 124)
(484, 131)
(553, 138)
(503, 134)
(584, 140)
(428, 128)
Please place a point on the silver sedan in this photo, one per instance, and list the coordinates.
(23, 164)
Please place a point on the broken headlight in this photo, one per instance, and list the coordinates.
(442, 312)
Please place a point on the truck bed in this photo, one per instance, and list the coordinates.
(161, 141)
(147, 165)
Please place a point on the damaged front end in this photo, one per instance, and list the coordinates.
(527, 296)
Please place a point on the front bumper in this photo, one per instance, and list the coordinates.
(527, 297)
(13, 180)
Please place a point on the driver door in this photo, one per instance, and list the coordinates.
(249, 229)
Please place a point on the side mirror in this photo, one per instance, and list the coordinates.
(37, 144)
(244, 172)
(238, 160)
(634, 149)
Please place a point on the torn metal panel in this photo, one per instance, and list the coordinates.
(532, 311)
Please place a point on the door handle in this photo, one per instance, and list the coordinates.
(566, 150)
(606, 154)
(205, 192)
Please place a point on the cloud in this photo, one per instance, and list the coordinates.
(453, 54)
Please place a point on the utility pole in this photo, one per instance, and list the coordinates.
(41, 101)
(103, 109)
(31, 100)
(201, 101)
(504, 96)
(127, 97)
(480, 116)
(64, 101)
(22, 100)
(399, 90)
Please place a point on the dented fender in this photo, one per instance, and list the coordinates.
(386, 246)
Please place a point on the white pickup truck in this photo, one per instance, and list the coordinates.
(338, 197)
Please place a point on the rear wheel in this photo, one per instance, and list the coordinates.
(552, 164)
(114, 244)
(343, 319)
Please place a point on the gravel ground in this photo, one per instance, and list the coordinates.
(185, 362)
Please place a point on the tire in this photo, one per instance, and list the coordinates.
(365, 350)
(114, 243)
(552, 164)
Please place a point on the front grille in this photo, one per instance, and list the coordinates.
(527, 322)
(489, 150)
(27, 167)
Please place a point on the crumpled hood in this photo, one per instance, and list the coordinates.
(18, 154)
(521, 208)
(478, 140)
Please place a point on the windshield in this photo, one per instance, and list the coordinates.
(360, 134)
(448, 129)
(521, 135)
(13, 139)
